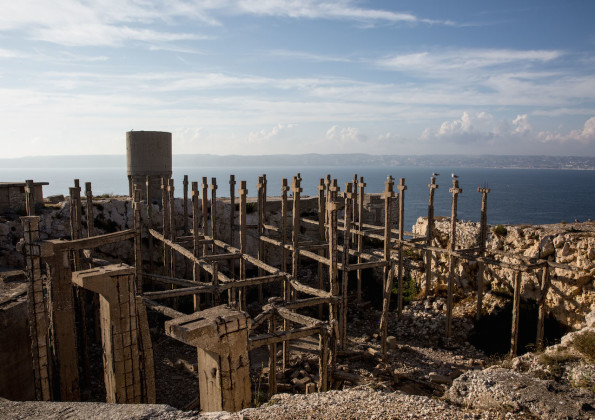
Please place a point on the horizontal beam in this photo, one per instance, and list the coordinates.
(188, 254)
(165, 310)
(278, 337)
(185, 291)
(93, 241)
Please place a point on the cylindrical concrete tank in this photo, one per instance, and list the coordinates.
(148, 160)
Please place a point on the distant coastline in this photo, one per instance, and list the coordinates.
(317, 160)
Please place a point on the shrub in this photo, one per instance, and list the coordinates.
(585, 344)
(500, 230)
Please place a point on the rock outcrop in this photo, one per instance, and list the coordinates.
(571, 296)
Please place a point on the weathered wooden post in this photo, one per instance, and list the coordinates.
(483, 237)
(214, 210)
(321, 230)
(542, 303)
(138, 229)
(296, 225)
(360, 237)
(166, 219)
(172, 227)
(430, 235)
(185, 184)
(196, 238)
(74, 223)
(90, 212)
(286, 286)
(388, 195)
(260, 198)
(455, 191)
(63, 325)
(516, 304)
(149, 219)
(30, 197)
(243, 192)
(346, 246)
(402, 187)
(185, 225)
(354, 204)
(272, 356)
(232, 219)
(332, 209)
(205, 215)
(323, 350)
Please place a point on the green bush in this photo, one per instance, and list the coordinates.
(585, 344)
(500, 230)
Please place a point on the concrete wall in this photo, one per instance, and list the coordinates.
(16, 368)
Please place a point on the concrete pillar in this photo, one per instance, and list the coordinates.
(127, 360)
(220, 335)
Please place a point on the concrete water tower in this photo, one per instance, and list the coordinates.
(148, 160)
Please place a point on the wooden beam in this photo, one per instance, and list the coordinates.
(280, 336)
(165, 310)
(92, 242)
(185, 291)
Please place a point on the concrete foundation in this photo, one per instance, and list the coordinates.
(16, 378)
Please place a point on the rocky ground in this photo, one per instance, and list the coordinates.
(422, 377)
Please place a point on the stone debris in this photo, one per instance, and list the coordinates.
(507, 391)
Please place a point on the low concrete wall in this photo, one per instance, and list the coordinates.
(16, 368)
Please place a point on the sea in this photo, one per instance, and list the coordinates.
(518, 196)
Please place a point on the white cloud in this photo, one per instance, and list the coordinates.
(112, 22)
(264, 135)
(482, 126)
(585, 135)
(522, 125)
(464, 59)
(346, 134)
(468, 127)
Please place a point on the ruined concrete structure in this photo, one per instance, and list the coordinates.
(148, 161)
(180, 252)
(21, 196)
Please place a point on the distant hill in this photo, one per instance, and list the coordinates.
(354, 159)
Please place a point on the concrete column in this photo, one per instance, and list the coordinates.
(37, 310)
(220, 335)
(127, 360)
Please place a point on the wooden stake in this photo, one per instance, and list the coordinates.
(360, 238)
(165, 210)
(388, 196)
(195, 235)
(232, 218)
(542, 302)
(346, 245)
(516, 303)
(321, 211)
(429, 236)
(455, 191)
(483, 237)
(402, 187)
(243, 192)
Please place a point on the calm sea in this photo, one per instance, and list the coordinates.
(533, 196)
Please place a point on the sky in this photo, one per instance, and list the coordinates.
(281, 76)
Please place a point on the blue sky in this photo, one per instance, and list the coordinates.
(275, 76)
